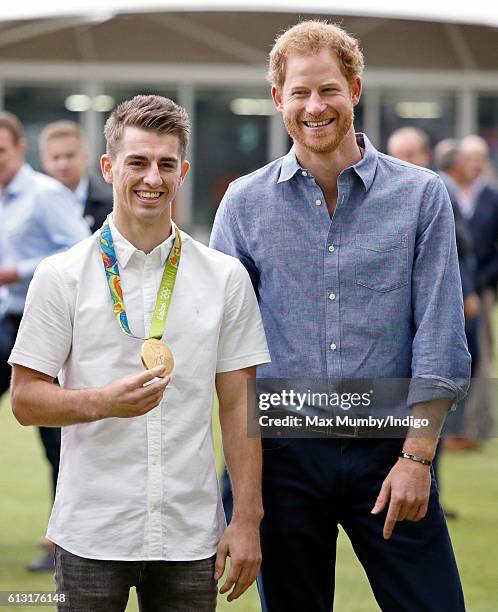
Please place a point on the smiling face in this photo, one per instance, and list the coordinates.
(146, 173)
(317, 101)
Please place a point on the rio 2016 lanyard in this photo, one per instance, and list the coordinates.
(154, 350)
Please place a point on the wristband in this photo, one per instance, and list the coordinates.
(415, 458)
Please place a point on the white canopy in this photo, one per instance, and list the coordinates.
(478, 12)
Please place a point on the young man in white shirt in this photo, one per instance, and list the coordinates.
(137, 500)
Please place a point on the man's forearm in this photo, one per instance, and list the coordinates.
(37, 401)
(40, 402)
(423, 444)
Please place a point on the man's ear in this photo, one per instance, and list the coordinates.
(356, 91)
(185, 169)
(276, 94)
(106, 167)
(21, 146)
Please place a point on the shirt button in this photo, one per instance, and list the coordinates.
(333, 347)
(332, 296)
(331, 248)
(304, 173)
(318, 202)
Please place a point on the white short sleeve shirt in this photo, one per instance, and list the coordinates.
(142, 488)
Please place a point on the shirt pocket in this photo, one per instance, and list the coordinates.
(381, 261)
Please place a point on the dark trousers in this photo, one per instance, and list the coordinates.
(226, 495)
(9, 324)
(50, 436)
(454, 424)
(51, 440)
(310, 486)
(455, 421)
(90, 585)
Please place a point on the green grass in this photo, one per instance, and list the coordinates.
(470, 486)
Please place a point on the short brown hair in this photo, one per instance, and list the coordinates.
(311, 37)
(153, 113)
(10, 122)
(59, 129)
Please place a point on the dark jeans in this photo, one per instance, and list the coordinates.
(92, 585)
(50, 436)
(310, 486)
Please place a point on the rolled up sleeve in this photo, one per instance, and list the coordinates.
(440, 358)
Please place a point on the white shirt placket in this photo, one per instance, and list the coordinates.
(153, 530)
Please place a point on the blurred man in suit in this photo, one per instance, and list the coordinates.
(64, 156)
(479, 205)
(38, 218)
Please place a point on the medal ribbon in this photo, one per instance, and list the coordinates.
(114, 283)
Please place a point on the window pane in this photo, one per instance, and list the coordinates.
(230, 141)
(37, 106)
(358, 117)
(488, 123)
(433, 112)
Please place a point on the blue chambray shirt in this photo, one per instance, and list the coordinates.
(373, 292)
(38, 217)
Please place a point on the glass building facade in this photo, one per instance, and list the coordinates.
(235, 128)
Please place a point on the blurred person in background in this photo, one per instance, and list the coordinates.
(38, 217)
(468, 165)
(449, 163)
(64, 156)
(412, 144)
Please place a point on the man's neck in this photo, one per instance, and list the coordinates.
(8, 179)
(326, 167)
(73, 186)
(144, 237)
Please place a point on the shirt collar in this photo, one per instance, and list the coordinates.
(365, 168)
(478, 186)
(125, 250)
(289, 166)
(81, 191)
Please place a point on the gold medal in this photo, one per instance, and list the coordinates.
(156, 352)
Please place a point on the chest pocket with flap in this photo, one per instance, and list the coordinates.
(381, 261)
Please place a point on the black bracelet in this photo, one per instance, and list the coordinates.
(415, 458)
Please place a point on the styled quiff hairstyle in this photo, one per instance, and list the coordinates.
(59, 129)
(153, 113)
(309, 38)
(10, 122)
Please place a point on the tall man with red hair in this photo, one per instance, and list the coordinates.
(353, 257)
